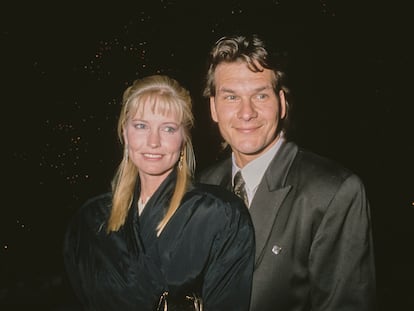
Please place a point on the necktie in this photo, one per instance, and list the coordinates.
(239, 188)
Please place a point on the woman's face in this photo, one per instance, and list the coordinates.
(154, 142)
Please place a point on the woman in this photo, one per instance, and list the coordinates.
(157, 240)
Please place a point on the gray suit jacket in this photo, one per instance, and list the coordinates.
(314, 248)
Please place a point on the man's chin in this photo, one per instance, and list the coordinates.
(249, 149)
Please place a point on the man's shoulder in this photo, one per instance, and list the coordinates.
(213, 174)
(321, 171)
(312, 161)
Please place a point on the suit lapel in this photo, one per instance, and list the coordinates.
(221, 175)
(270, 195)
(264, 215)
(226, 181)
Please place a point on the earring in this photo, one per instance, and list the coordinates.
(126, 153)
(180, 162)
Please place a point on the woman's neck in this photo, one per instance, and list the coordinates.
(149, 184)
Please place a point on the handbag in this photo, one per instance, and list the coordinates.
(187, 303)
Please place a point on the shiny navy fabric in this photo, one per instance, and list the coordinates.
(207, 248)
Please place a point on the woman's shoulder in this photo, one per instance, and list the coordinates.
(94, 211)
(215, 192)
(99, 200)
(216, 201)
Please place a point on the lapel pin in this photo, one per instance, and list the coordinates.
(276, 249)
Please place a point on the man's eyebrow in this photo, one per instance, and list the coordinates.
(226, 90)
(256, 90)
(262, 88)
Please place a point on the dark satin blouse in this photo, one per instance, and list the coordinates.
(207, 248)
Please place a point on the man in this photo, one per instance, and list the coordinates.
(314, 248)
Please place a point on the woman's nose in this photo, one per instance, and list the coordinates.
(153, 139)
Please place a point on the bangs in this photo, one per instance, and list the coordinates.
(162, 103)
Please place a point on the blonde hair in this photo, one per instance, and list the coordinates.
(165, 95)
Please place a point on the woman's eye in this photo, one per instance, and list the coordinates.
(169, 129)
(139, 126)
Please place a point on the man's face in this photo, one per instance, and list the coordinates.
(246, 109)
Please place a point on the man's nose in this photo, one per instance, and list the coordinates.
(247, 109)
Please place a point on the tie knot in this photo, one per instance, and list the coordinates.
(238, 181)
(239, 187)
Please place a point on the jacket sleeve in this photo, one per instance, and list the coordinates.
(228, 279)
(70, 249)
(341, 262)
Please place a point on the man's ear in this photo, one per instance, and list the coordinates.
(282, 104)
(213, 111)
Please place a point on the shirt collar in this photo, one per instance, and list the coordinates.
(253, 172)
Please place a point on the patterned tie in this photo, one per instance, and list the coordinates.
(239, 188)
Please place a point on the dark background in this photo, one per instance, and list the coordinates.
(64, 69)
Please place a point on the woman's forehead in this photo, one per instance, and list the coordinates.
(158, 107)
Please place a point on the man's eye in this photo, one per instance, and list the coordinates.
(231, 97)
(261, 96)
